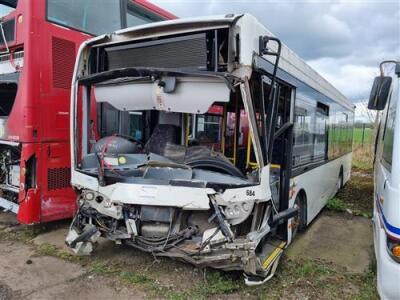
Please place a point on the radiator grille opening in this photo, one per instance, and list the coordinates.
(63, 55)
(179, 52)
(58, 178)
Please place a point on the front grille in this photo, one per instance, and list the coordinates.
(178, 52)
(58, 178)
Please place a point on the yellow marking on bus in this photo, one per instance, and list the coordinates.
(274, 254)
(275, 166)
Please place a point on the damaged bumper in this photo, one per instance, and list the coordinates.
(216, 230)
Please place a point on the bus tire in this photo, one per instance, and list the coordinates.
(301, 220)
(340, 179)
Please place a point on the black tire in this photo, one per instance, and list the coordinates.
(215, 164)
(340, 179)
(300, 221)
(205, 158)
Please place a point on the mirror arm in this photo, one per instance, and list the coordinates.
(386, 62)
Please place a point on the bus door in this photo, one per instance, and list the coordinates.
(279, 139)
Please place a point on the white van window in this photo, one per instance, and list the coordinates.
(389, 132)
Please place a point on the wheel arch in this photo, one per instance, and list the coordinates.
(303, 198)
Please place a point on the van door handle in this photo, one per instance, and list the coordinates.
(384, 184)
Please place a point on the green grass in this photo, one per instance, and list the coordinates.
(138, 280)
(358, 136)
(362, 159)
(336, 204)
(216, 283)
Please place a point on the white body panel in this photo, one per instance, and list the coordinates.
(187, 198)
(388, 271)
(387, 205)
(321, 183)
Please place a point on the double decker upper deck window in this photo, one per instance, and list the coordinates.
(91, 16)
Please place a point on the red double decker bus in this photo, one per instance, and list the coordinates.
(38, 43)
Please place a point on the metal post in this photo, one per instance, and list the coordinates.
(363, 132)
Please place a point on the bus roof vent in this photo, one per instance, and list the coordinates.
(63, 55)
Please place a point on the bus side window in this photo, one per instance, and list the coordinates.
(320, 131)
(388, 134)
(303, 132)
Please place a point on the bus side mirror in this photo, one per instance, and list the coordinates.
(379, 93)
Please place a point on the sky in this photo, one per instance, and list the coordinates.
(343, 40)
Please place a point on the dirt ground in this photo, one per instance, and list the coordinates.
(25, 275)
(332, 259)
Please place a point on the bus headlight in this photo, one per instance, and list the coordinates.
(393, 248)
(89, 196)
(237, 212)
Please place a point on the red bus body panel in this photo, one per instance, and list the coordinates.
(39, 119)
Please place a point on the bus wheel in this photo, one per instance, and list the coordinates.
(340, 180)
(299, 222)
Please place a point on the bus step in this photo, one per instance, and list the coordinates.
(272, 252)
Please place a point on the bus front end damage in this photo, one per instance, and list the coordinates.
(200, 226)
(166, 149)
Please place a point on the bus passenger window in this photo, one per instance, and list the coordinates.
(320, 132)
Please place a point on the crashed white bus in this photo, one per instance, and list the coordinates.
(204, 140)
(384, 99)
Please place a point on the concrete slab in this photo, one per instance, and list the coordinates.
(335, 238)
(19, 265)
(55, 237)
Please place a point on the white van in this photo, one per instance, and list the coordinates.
(384, 98)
